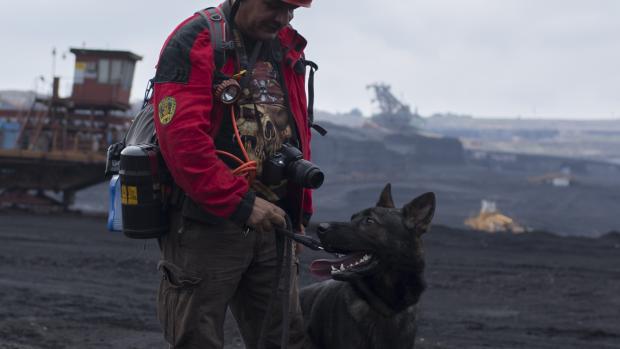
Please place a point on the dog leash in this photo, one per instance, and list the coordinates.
(307, 241)
(284, 255)
(284, 251)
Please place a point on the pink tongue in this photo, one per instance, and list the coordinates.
(323, 267)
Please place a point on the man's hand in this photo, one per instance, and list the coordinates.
(266, 215)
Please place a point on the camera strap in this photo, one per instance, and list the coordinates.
(245, 63)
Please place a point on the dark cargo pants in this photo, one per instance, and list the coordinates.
(205, 269)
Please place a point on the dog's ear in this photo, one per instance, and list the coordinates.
(385, 200)
(418, 214)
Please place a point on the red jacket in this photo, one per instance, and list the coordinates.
(187, 120)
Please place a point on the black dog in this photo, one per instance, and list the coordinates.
(371, 301)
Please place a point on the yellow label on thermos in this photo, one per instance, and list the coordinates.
(129, 195)
(132, 195)
(123, 195)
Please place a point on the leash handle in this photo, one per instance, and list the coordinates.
(307, 241)
(286, 302)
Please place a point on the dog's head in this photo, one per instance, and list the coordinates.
(377, 239)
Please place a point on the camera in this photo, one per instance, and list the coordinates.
(289, 164)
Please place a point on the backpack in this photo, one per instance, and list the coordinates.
(142, 129)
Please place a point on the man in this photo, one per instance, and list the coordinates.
(221, 248)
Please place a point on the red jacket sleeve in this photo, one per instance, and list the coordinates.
(183, 104)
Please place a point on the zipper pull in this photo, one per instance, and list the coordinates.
(246, 231)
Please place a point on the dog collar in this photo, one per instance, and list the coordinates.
(373, 301)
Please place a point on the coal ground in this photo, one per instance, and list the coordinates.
(65, 282)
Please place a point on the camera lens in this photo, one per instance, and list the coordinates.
(306, 174)
(314, 178)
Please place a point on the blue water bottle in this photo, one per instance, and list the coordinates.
(115, 215)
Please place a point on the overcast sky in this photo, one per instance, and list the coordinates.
(489, 58)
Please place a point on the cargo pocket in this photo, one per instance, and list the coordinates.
(174, 302)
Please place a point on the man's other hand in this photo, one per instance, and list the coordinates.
(265, 216)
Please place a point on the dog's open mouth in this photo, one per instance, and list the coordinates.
(349, 263)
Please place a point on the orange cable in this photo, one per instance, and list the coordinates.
(234, 121)
(233, 157)
(247, 168)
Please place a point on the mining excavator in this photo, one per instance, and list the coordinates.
(57, 146)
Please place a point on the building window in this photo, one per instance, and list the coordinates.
(80, 72)
(91, 70)
(116, 72)
(128, 68)
(104, 71)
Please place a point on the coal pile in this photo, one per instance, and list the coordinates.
(65, 282)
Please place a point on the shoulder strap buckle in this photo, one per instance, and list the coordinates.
(218, 30)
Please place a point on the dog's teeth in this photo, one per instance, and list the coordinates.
(333, 268)
(342, 267)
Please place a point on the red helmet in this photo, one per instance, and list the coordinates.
(302, 3)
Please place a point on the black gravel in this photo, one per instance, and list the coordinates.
(65, 282)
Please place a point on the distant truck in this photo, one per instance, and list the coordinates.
(490, 220)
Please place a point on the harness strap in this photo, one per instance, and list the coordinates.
(219, 31)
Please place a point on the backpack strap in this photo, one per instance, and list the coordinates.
(148, 93)
(216, 20)
(221, 41)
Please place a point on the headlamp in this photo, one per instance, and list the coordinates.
(228, 91)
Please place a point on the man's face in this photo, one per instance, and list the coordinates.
(263, 19)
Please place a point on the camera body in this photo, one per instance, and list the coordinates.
(289, 164)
